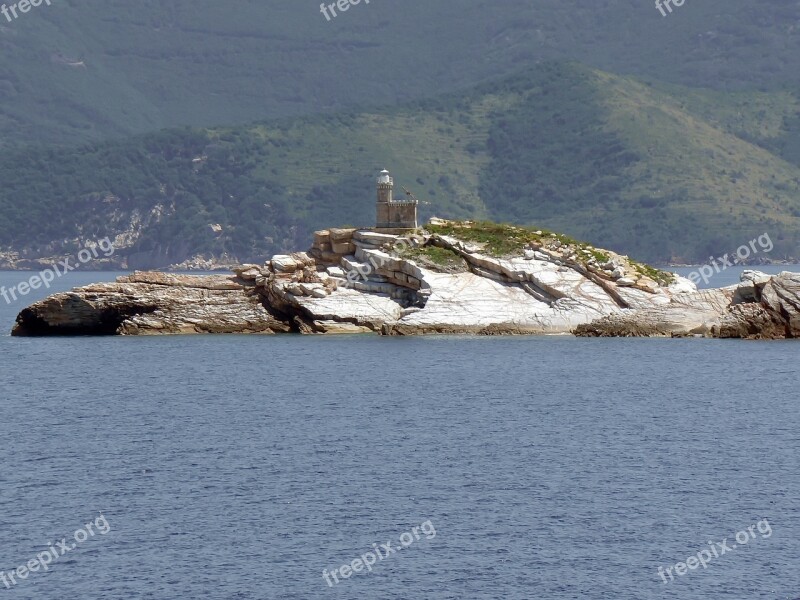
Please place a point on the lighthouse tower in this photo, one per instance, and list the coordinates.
(385, 187)
(394, 214)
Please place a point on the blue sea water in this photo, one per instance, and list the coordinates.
(550, 467)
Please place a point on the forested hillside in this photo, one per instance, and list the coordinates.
(658, 171)
(83, 70)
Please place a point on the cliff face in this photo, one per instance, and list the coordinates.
(450, 278)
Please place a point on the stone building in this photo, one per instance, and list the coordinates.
(392, 213)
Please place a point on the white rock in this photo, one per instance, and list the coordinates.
(374, 238)
(681, 285)
(313, 289)
(336, 272)
(284, 264)
(757, 277)
(351, 305)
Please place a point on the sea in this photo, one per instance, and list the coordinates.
(316, 468)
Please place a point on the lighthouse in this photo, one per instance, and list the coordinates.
(391, 213)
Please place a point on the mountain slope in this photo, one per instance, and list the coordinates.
(657, 172)
(610, 159)
(83, 70)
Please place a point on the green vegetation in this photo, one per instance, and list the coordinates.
(502, 240)
(599, 255)
(660, 173)
(436, 258)
(660, 277)
(88, 70)
(496, 239)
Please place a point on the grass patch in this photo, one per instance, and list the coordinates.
(497, 239)
(501, 240)
(661, 277)
(436, 258)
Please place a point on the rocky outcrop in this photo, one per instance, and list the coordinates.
(760, 307)
(153, 303)
(355, 281)
(364, 281)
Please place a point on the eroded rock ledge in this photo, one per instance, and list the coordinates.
(447, 278)
(760, 307)
(151, 303)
